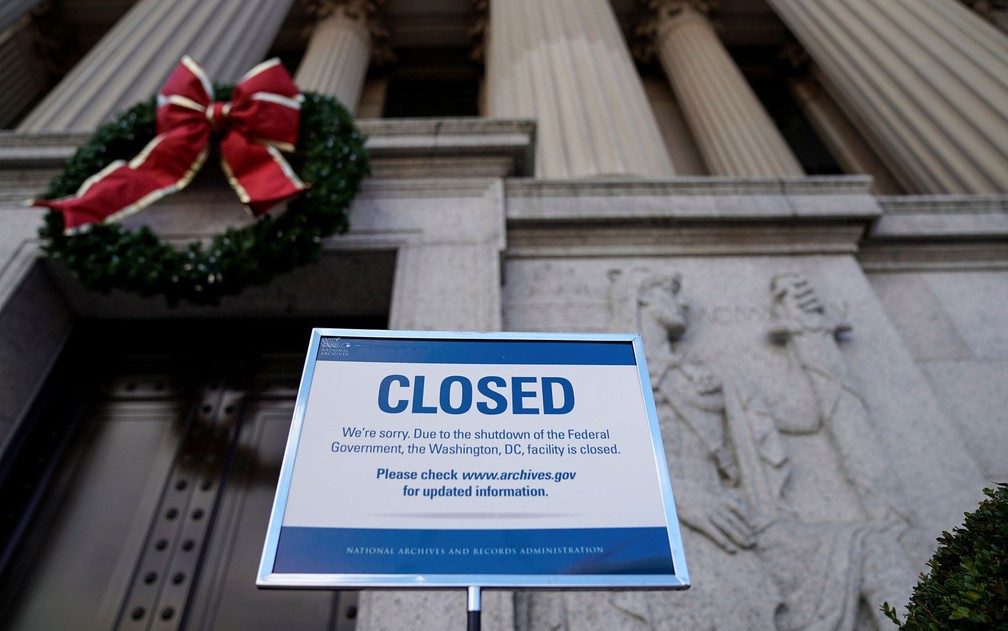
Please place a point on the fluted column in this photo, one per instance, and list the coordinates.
(732, 129)
(841, 136)
(336, 60)
(22, 74)
(565, 64)
(129, 64)
(928, 78)
(12, 10)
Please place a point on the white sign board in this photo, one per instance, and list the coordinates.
(497, 460)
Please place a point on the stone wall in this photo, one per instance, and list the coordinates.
(829, 400)
(811, 460)
(939, 272)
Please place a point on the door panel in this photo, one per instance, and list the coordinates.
(155, 514)
(227, 597)
(86, 544)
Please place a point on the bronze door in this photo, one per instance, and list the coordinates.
(153, 512)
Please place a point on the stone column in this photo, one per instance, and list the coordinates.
(336, 60)
(844, 140)
(129, 64)
(929, 79)
(565, 64)
(23, 73)
(12, 10)
(732, 129)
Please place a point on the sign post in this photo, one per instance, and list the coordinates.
(496, 460)
(473, 607)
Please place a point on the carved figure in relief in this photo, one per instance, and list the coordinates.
(731, 471)
(822, 570)
(810, 337)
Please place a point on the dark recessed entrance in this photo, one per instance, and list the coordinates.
(138, 494)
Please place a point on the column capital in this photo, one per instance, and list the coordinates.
(365, 14)
(52, 39)
(671, 9)
(661, 16)
(478, 31)
(351, 9)
(792, 52)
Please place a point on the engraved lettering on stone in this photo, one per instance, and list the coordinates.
(741, 313)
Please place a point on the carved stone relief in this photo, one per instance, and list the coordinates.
(803, 327)
(762, 554)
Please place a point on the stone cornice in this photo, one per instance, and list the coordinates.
(700, 198)
(451, 142)
(460, 147)
(942, 217)
(938, 232)
(688, 216)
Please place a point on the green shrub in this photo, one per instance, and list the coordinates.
(967, 587)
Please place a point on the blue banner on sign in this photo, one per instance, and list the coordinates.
(522, 352)
(590, 551)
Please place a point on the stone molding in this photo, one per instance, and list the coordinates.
(938, 233)
(453, 148)
(511, 141)
(944, 216)
(942, 232)
(688, 216)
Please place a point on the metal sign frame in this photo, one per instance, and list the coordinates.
(676, 577)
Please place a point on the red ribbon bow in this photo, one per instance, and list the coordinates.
(259, 122)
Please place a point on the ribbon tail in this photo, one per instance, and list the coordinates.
(259, 173)
(121, 188)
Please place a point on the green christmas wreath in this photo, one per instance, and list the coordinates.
(330, 157)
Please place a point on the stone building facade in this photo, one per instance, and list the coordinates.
(801, 205)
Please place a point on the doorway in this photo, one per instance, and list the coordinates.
(143, 482)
